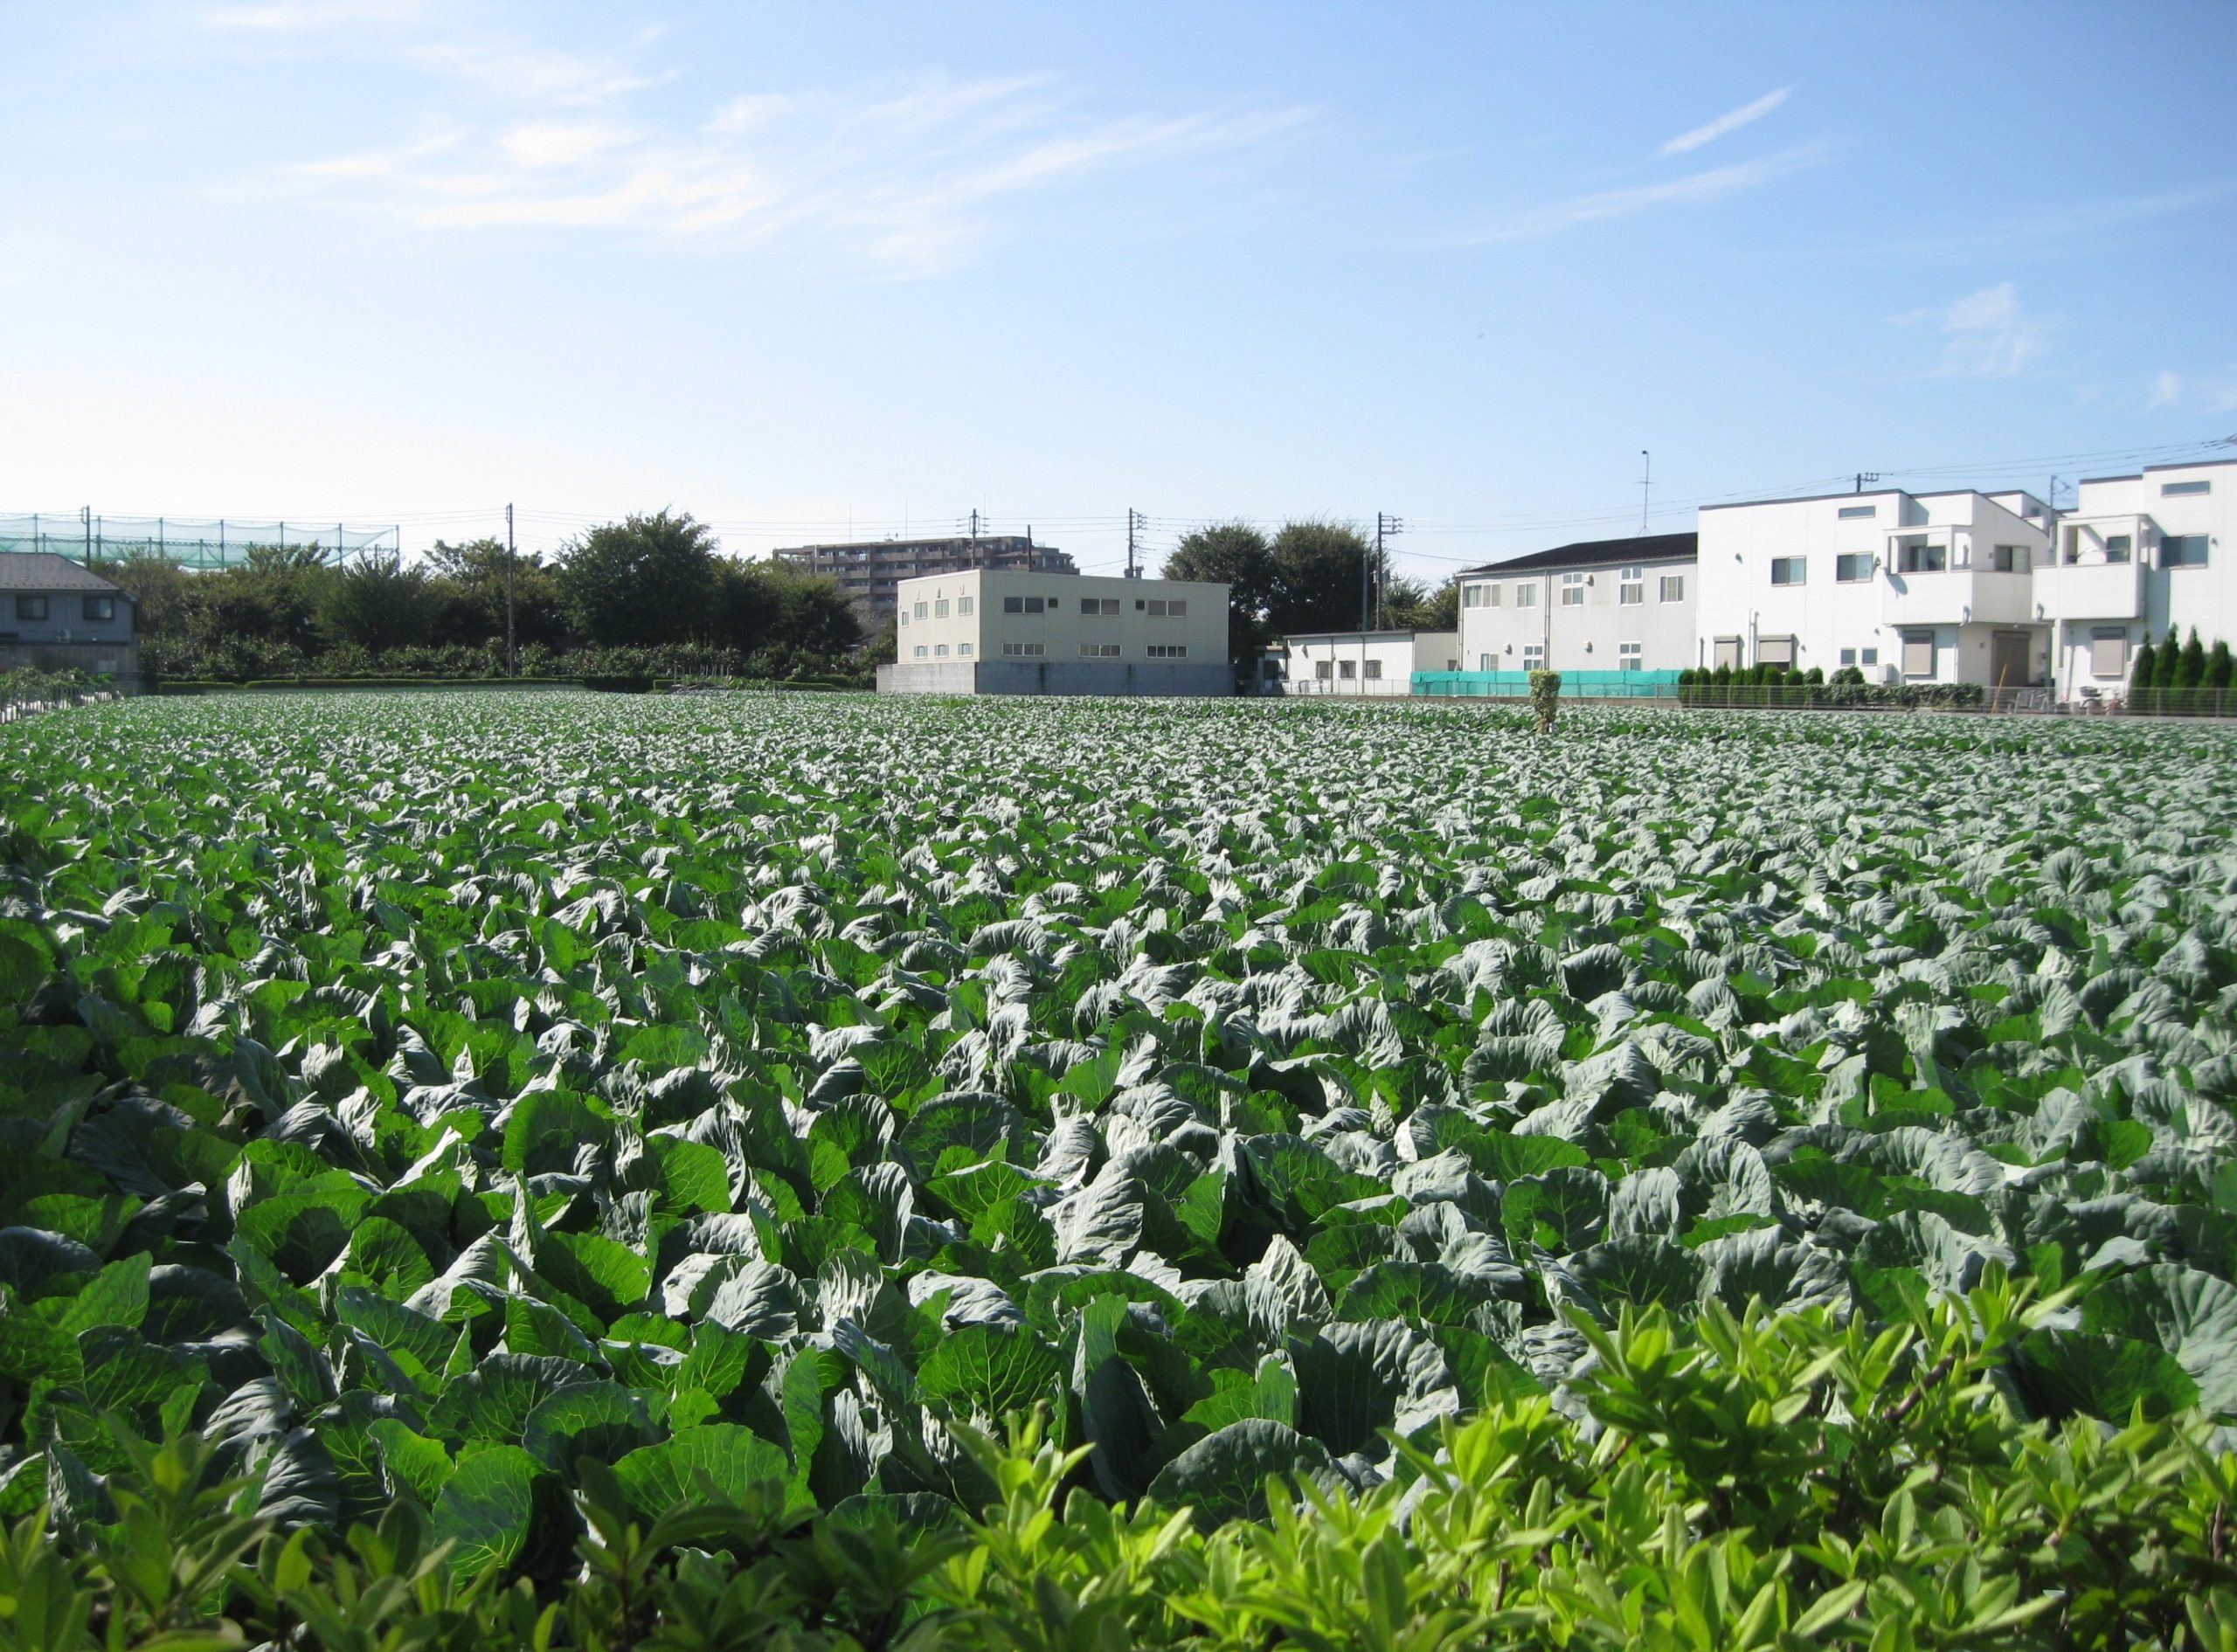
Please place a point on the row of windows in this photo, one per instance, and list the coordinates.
(1918, 653)
(92, 608)
(937, 608)
(2176, 550)
(1851, 568)
(1630, 656)
(940, 651)
(1631, 590)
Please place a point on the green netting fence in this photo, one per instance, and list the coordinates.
(198, 542)
(1575, 685)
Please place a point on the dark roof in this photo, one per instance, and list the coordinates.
(1600, 553)
(1329, 636)
(43, 571)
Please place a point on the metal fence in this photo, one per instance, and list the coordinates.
(18, 702)
(224, 542)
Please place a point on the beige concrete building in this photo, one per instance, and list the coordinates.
(991, 631)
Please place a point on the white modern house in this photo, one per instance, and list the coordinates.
(1606, 605)
(996, 630)
(1905, 587)
(2136, 555)
(1358, 663)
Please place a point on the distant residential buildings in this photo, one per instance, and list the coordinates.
(1599, 605)
(1010, 631)
(57, 615)
(1363, 664)
(869, 571)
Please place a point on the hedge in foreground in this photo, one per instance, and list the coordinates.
(1766, 1481)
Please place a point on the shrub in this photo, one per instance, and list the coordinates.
(1546, 699)
(2189, 670)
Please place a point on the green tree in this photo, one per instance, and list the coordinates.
(377, 604)
(469, 583)
(271, 597)
(2169, 663)
(789, 623)
(2190, 671)
(1236, 555)
(161, 590)
(1413, 608)
(1318, 569)
(2220, 668)
(2144, 666)
(641, 582)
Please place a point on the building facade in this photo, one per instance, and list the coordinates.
(1002, 630)
(869, 571)
(1603, 606)
(56, 615)
(1363, 664)
(1904, 587)
(2136, 556)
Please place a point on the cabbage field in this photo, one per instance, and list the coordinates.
(421, 1094)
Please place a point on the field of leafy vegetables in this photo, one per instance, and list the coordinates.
(420, 1094)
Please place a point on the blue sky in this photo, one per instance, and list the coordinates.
(796, 267)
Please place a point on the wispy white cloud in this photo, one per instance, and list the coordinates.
(1986, 335)
(905, 176)
(2166, 391)
(528, 75)
(1731, 121)
(2070, 229)
(1542, 222)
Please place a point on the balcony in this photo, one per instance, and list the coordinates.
(1955, 597)
(2090, 590)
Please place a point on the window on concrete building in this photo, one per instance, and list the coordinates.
(1169, 650)
(1098, 651)
(1572, 590)
(1848, 656)
(1849, 567)
(1526, 596)
(98, 608)
(1025, 650)
(2173, 490)
(1099, 607)
(1918, 653)
(922, 609)
(1347, 669)
(1628, 656)
(1323, 670)
(2182, 551)
(965, 604)
(1479, 596)
(1858, 513)
(2109, 653)
(939, 608)
(1533, 656)
(1871, 656)
(31, 607)
(1727, 652)
(1673, 587)
(1013, 605)
(2012, 559)
(1788, 570)
(940, 651)
(920, 650)
(963, 650)
(1372, 670)
(1483, 663)
(2119, 547)
(1774, 651)
(1917, 557)
(1631, 590)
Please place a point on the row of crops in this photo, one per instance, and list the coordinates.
(419, 1095)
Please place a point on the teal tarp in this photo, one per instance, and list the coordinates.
(1583, 685)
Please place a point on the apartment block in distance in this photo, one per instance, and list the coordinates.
(2135, 555)
(1602, 605)
(1905, 587)
(1004, 631)
(869, 571)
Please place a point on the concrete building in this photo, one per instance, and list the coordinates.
(2136, 555)
(1000, 630)
(1360, 663)
(1605, 605)
(1905, 587)
(869, 571)
(55, 615)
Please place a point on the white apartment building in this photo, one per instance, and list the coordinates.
(1358, 663)
(994, 631)
(2136, 555)
(1907, 588)
(1605, 606)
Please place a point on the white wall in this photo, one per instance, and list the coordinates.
(1365, 662)
(946, 632)
(1502, 616)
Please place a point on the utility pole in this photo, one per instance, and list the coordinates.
(1647, 482)
(512, 653)
(974, 523)
(1384, 526)
(85, 516)
(1131, 571)
(1863, 476)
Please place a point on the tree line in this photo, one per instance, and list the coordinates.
(1305, 577)
(651, 594)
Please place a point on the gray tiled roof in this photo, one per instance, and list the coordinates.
(43, 571)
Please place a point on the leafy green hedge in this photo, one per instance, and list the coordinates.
(1747, 1482)
(1774, 687)
(282, 684)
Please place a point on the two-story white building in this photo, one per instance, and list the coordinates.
(2136, 555)
(1905, 587)
(1605, 606)
(994, 631)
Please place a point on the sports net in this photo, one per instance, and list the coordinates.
(198, 544)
